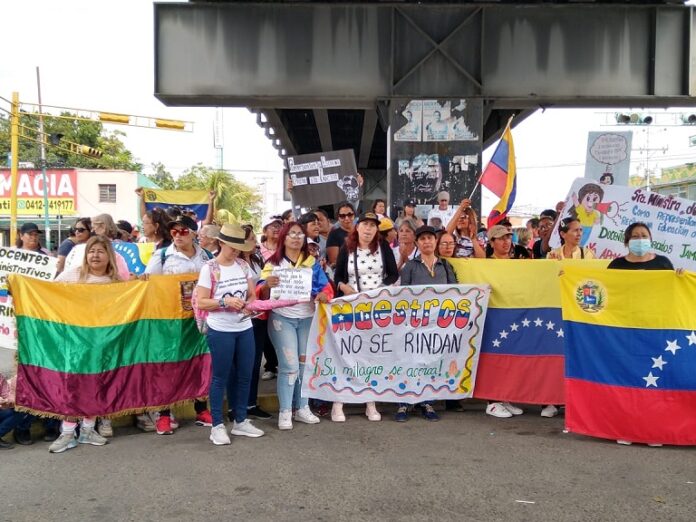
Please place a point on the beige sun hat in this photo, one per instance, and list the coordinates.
(235, 236)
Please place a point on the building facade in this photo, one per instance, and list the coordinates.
(72, 193)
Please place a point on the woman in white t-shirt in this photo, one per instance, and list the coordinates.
(225, 286)
(288, 327)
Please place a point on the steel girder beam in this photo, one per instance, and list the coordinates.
(328, 55)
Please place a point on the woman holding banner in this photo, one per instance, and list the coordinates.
(225, 287)
(288, 327)
(98, 267)
(570, 231)
(425, 269)
(364, 263)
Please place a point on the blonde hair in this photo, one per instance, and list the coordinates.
(111, 268)
(111, 228)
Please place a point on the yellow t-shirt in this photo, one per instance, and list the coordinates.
(578, 253)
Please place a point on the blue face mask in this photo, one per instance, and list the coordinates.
(639, 247)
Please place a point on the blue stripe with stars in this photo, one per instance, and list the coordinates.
(635, 357)
(523, 331)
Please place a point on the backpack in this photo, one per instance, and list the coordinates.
(201, 316)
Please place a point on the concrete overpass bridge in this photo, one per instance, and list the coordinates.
(331, 75)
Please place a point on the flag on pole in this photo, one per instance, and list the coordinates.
(500, 177)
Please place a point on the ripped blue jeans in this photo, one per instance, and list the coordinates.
(289, 337)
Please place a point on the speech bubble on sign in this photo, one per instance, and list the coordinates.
(609, 148)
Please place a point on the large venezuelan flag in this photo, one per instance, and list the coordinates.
(522, 348)
(196, 200)
(500, 176)
(87, 349)
(630, 354)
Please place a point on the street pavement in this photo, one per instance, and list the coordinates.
(467, 467)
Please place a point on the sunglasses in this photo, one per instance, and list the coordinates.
(346, 216)
(180, 232)
(296, 235)
(80, 230)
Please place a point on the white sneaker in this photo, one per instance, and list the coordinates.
(371, 412)
(218, 435)
(549, 411)
(245, 429)
(624, 442)
(512, 409)
(146, 422)
(305, 415)
(65, 442)
(337, 414)
(654, 445)
(496, 409)
(90, 436)
(267, 376)
(105, 429)
(285, 420)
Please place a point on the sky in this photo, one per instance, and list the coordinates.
(99, 55)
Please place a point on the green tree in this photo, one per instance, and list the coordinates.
(90, 133)
(162, 177)
(242, 201)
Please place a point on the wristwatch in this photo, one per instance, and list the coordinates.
(221, 302)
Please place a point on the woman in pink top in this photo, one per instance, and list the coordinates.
(98, 267)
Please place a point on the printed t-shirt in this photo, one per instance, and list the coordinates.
(233, 281)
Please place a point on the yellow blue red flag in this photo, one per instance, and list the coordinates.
(500, 177)
(630, 339)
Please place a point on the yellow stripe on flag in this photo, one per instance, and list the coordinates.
(600, 297)
(176, 197)
(160, 297)
(518, 283)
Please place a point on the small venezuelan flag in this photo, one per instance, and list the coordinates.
(195, 200)
(630, 340)
(108, 349)
(500, 177)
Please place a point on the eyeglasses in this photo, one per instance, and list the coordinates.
(96, 224)
(296, 235)
(180, 232)
(80, 230)
(446, 243)
(346, 216)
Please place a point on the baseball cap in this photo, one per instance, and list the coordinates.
(271, 219)
(369, 216)
(409, 203)
(425, 229)
(184, 221)
(385, 224)
(29, 227)
(498, 231)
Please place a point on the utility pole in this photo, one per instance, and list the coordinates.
(42, 149)
(14, 151)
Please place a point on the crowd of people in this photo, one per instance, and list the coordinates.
(359, 251)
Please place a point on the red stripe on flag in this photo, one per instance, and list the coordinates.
(633, 414)
(528, 379)
(494, 179)
(122, 390)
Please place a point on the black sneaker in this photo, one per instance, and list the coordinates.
(23, 437)
(258, 413)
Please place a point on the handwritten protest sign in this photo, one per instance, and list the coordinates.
(295, 284)
(324, 178)
(608, 157)
(31, 264)
(397, 344)
(604, 211)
